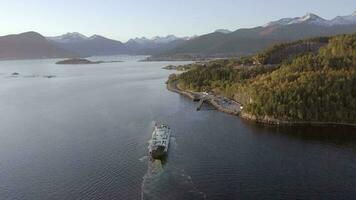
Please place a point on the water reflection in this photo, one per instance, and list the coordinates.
(336, 135)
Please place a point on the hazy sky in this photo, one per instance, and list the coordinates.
(124, 19)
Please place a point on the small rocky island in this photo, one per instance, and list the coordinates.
(81, 61)
(77, 61)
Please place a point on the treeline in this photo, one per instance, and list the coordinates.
(217, 77)
(317, 85)
(288, 51)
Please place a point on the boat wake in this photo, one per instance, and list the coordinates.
(166, 181)
(144, 158)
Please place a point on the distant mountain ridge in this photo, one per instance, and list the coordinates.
(225, 31)
(154, 45)
(95, 45)
(68, 38)
(157, 39)
(99, 45)
(252, 40)
(311, 18)
(221, 43)
(30, 45)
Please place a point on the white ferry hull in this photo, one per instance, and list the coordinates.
(159, 144)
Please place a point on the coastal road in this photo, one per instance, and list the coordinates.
(221, 103)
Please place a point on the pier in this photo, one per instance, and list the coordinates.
(204, 97)
(201, 102)
(220, 103)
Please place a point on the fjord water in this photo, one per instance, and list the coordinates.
(83, 135)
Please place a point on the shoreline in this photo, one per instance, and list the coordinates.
(277, 122)
(231, 107)
(195, 96)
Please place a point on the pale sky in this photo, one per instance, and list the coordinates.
(124, 19)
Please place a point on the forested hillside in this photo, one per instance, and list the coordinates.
(310, 80)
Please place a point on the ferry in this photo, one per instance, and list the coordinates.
(159, 143)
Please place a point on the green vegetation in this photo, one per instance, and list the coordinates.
(180, 67)
(218, 78)
(288, 51)
(312, 80)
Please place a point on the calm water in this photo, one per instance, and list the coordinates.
(84, 134)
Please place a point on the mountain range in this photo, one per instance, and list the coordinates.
(314, 19)
(222, 42)
(154, 45)
(252, 40)
(95, 45)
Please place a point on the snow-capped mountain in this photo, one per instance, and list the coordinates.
(99, 45)
(225, 31)
(313, 19)
(167, 39)
(74, 37)
(308, 18)
(342, 20)
(157, 39)
(141, 40)
(154, 45)
(88, 46)
(69, 38)
(246, 41)
(99, 37)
